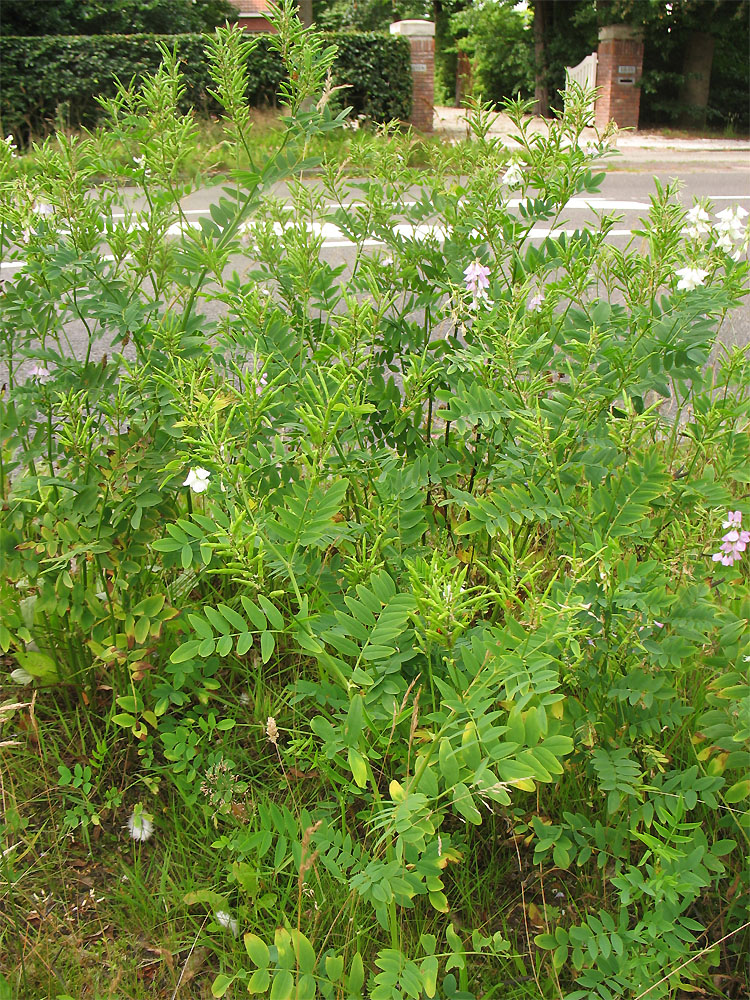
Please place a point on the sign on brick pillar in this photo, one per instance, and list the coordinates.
(618, 75)
(421, 35)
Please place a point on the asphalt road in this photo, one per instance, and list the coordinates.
(625, 191)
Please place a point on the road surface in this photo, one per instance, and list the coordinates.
(625, 191)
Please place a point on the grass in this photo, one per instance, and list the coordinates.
(91, 914)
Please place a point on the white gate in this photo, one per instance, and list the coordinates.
(584, 74)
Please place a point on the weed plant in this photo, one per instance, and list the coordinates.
(368, 629)
(213, 154)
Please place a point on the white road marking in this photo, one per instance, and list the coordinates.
(333, 238)
(574, 203)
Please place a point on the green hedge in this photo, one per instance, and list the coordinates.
(38, 75)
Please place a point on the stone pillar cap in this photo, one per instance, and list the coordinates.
(418, 29)
(620, 33)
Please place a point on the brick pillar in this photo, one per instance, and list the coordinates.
(618, 75)
(421, 35)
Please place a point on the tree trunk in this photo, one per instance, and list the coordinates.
(696, 67)
(305, 12)
(541, 88)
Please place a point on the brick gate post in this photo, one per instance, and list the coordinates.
(618, 75)
(421, 35)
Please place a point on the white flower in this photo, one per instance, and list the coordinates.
(10, 144)
(42, 208)
(592, 148)
(197, 479)
(730, 225)
(691, 277)
(449, 594)
(697, 215)
(513, 175)
(228, 921)
(730, 214)
(140, 825)
(534, 303)
(725, 242)
(699, 222)
(140, 162)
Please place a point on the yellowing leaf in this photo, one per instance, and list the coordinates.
(358, 767)
(396, 791)
(535, 915)
(739, 790)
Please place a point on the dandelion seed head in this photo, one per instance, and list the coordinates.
(140, 826)
(227, 921)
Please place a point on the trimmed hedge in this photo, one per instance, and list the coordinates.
(39, 75)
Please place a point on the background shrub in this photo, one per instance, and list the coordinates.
(49, 78)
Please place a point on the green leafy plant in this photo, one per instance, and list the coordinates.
(403, 591)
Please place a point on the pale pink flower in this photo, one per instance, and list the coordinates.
(535, 302)
(38, 373)
(272, 731)
(734, 542)
(477, 281)
(734, 519)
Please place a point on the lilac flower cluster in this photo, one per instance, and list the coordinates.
(734, 543)
(477, 279)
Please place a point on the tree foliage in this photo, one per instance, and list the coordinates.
(499, 38)
(496, 37)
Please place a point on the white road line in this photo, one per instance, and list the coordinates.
(333, 237)
(573, 203)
